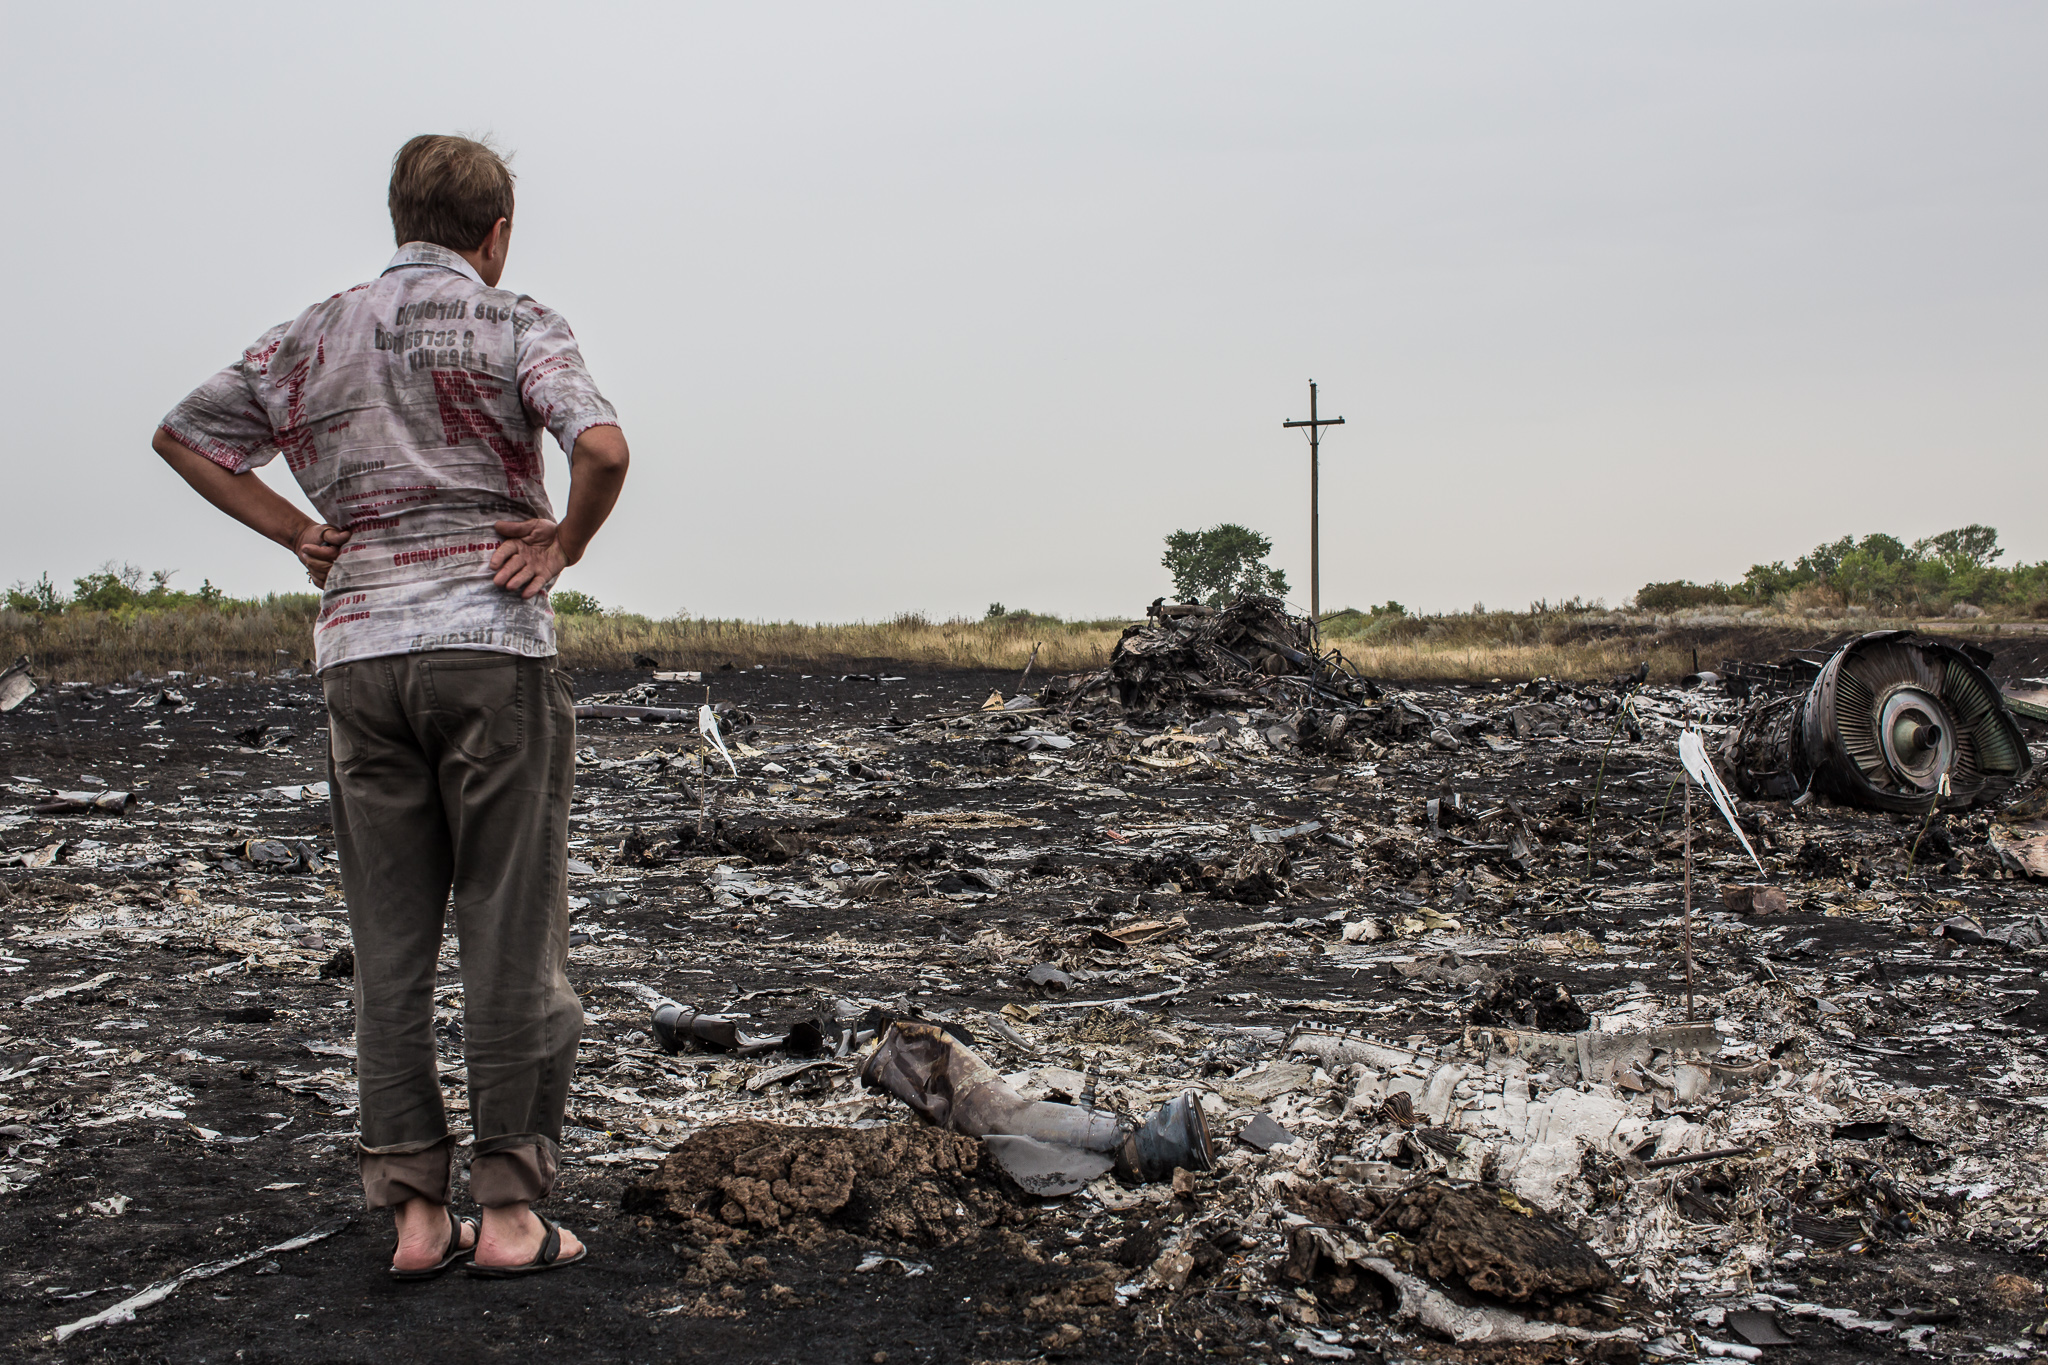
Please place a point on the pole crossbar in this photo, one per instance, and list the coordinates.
(1315, 426)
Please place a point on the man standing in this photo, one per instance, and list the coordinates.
(410, 410)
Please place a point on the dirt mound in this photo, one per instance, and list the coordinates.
(1478, 1238)
(1520, 1000)
(1258, 877)
(1472, 1237)
(758, 846)
(896, 1183)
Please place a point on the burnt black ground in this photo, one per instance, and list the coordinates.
(197, 1200)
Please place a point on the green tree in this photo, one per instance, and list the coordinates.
(117, 588)
(569, 602)
(1879, 571)
(1966, 547)
(1883, 571)
(108, 588)
(1819, 564)
(40, 596)
(1221, 564)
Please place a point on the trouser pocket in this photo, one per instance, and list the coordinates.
(344, 736)
(479, 705)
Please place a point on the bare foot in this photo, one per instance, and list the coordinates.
(512, 1236)
(423, 1234)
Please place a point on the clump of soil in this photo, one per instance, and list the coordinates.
(1520, 1000)
(1479, 1238)
(1259, 877)
(757, 846)
(1113, 1026)
(896, 1183)
(1475, 1239)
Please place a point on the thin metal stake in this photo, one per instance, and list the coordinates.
(1688, 900)
(1934, 799)
(703, 784)
(1027, 668)
(1599, 785)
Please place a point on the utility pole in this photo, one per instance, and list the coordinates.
(1315, 427)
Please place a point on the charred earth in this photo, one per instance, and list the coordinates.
(1378, 945)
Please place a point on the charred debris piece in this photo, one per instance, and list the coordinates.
(1047, 1148)
(896, 1183)
(16, 686)
(836, 1033)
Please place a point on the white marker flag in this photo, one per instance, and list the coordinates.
(707, 726)
(1692, 752)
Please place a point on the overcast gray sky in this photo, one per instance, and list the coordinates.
(918, 307)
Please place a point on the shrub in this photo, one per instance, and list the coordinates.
(1680, 594)
(39, 597)
(569, 602)
(118, 589)
(1878, 572)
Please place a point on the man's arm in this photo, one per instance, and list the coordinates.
(257, 506)
(536, 551)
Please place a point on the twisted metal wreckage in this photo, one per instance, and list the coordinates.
(1198, 657)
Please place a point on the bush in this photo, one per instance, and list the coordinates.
(569, 602)
(1878, 572)
(112, 588)
(39, 597)
(1679, 594)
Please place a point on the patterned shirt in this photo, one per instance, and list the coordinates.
(410, 410)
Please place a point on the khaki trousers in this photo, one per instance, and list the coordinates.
(452, 771)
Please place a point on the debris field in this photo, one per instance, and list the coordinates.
(1414, 957)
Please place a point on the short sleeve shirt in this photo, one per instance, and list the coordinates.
(410, 409)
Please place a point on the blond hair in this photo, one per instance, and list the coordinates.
(449, 191)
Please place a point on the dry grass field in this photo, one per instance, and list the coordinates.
(277, 633)
(261, 638)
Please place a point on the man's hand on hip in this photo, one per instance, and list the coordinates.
(318, 545)
(530, 558)
(535, 552)
(247, 499)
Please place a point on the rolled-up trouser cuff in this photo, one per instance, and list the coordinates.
(410, 1170)
(513, 1170)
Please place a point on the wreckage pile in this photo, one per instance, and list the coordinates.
(1251, 652)
(1409, 1002)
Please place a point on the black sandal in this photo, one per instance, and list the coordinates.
(456, 1250)
(549, 1257)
